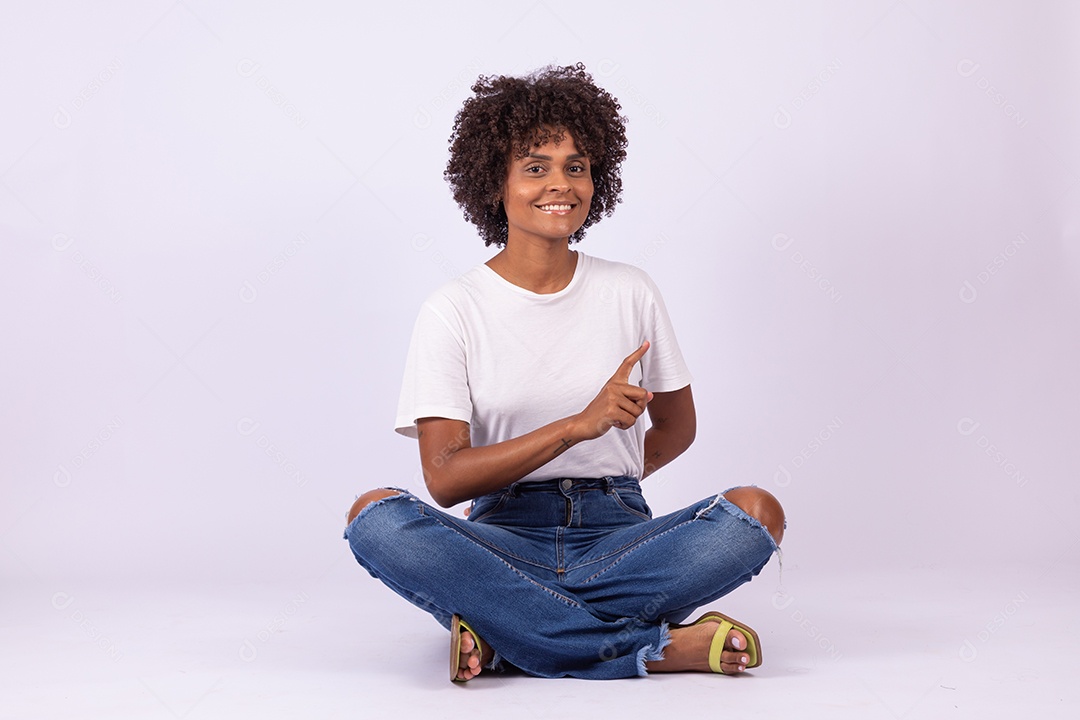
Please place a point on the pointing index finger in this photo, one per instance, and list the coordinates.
(623, 373)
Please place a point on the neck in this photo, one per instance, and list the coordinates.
(542, 268)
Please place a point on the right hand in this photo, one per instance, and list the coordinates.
(619, 404)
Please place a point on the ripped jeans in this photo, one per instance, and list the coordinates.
(562, 577)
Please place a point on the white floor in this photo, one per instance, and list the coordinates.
(924, 643)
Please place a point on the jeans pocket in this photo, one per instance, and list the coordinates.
(486, 506)
(633, 502)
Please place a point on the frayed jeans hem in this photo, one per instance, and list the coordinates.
(653, 653)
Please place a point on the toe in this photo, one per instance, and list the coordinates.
(734, 658)
(469, 661)
(737, 660)
(467, 671)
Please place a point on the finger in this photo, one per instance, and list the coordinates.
(623, 414)
(633, 393)
(630, 407)
(640, 404)
(623, 373)
(628, 418)
(623, 420)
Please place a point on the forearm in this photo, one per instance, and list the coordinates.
(674, 426)
(663, 445)
(462, 474)
(455, 471)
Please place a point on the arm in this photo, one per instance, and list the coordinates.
(455, 471)
(674, 425)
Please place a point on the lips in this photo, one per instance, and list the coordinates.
(555, 208)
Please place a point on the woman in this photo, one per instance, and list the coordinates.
(559, 569)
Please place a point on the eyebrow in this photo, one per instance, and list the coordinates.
(575, 156)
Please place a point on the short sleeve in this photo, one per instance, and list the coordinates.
(436, 380)
(663, 367)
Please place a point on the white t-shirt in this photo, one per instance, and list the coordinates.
(508, 361)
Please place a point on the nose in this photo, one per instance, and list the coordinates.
(558, 181)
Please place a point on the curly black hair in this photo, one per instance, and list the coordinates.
(508, 116)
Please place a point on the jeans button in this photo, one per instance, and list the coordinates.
(567, 484)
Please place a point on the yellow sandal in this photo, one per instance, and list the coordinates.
(456, 626)
(753, 643)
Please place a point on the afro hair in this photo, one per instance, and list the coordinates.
(508, 116)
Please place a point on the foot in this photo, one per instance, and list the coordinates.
(471, 662)
(689, 650)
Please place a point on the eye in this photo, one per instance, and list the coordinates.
(577, 169)
(534, 169)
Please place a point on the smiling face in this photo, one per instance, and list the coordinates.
(547, 193)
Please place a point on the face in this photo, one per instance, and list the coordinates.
(548, 192)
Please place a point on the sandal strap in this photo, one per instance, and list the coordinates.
(717, 646)
(475, 637)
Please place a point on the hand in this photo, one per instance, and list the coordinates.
(619, 404)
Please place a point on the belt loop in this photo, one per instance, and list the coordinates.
(609, 485)
(515, 490)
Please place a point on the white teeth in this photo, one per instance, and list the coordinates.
(556, 208)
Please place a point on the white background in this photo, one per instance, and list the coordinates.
(218, 223)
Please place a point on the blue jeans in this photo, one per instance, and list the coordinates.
(563, 577)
